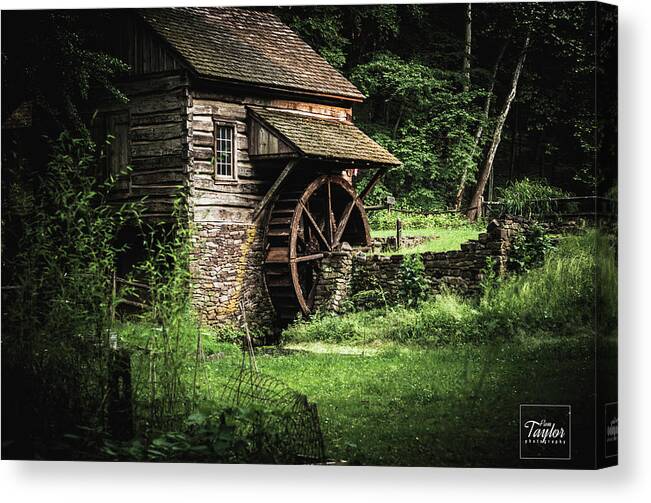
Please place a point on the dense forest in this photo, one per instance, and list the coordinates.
(437, 80)
(468, 97)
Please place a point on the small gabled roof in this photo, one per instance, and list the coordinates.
(324, 138)
(247, 46)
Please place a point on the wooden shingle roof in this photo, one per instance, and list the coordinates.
(247, 46)
(322, 138)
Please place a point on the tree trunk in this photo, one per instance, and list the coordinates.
(475, 204)
(514, 139)
(467, 50)
(480, 130)
(467, 53)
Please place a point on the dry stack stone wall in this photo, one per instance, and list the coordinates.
(346, 273)
(335, 281)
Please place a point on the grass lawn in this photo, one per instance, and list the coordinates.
(389, 404)
(442, 239)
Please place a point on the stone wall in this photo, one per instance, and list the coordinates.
(335, 281)
(227, 267)
(462, 271)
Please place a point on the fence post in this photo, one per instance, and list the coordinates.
(398, 233)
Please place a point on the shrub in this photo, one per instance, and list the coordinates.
(529, 248)
(231, 435)
(60, 259)
(414, 285)
(529, 198)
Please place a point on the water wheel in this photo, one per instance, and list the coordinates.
(306, 223)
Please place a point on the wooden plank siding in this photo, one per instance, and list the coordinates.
(141, 48)
(158, 142)
(214, 200)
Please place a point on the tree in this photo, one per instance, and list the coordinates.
(54, 58)
(475, 203)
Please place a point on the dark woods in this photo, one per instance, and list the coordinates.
(438, 78)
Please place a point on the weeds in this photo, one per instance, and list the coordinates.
(530, 198)
(59, 259)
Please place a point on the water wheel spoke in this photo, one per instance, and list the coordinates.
(329, 216)
(308, 258)
(316, 227)
(344, 221)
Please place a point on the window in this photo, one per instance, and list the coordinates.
(118, 152)
(111, 131)
(225, 151)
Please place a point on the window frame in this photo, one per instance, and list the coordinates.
(100, 129)
(232, 125)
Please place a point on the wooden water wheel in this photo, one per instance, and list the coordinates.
(307, 223)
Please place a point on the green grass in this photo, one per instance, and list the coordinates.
(561, 293)
(394, 404)
(442, 239)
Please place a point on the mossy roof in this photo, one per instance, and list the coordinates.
(323, 138)
(247, 46)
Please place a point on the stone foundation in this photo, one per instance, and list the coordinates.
(227, 267)
(228, 259)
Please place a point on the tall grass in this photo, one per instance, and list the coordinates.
(529, 197)
(59, 256)
(560, 292)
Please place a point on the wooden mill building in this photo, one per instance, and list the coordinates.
(257, 127)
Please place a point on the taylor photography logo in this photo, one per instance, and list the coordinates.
(611, 429)
(545, 431)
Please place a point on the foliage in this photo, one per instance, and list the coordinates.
(413, 106)
(414, 285)
(231, 435)
(407, 60)
(529, 198)
(165, 339)
(561, 293)
(59, 256)
(528, 248)
(383, 220)
(58, 64)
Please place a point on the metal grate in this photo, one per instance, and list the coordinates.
(289, 415)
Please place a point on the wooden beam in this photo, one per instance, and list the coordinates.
(273, 190)
(371, 183)
(307, 258)
(344, 221)
(315, 226)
